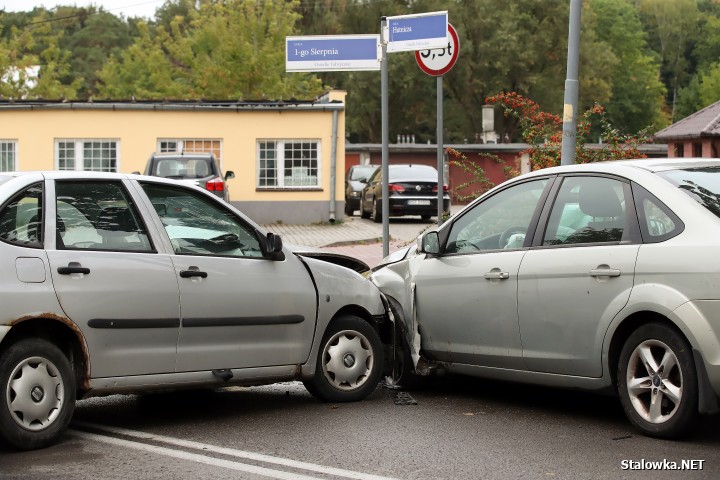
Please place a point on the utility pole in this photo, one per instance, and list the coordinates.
(570, 107)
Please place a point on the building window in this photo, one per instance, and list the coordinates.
(697, 150)
(87, 155)
(8, 156)
(288, 164)
(191, 145)
(679, 150)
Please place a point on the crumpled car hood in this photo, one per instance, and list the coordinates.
(331, 257)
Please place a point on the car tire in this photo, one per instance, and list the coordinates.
(377, 211)
(349, 363)
(348, 209)
(363, 213)
(426, 217)
(37, 394)
(657, 381)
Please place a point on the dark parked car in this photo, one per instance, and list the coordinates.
(413, 191)
(356, 178)
(201, 169)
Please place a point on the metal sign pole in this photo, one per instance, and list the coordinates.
(569, 140)
(440, 153)
(385, 138)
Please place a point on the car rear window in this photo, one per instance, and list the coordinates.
(702, 184)
(181, 168)
(415, 172)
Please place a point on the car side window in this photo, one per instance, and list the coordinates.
(95, 215)
(588, 210)
(500, 222)
(657, 222)
(198, 226)
(21, 218)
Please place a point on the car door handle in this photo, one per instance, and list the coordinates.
(604, 272)
(497, 275)
(192, 273)
(70, 269)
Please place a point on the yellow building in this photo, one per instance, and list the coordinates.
(288, 156)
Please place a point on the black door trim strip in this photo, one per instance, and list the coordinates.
(124, 323)
(242, 321)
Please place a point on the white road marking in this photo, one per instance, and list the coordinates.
(230, 452)
(193, 457)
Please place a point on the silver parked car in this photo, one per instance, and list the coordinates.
(600, 277)
(113, 283)
(201, 169)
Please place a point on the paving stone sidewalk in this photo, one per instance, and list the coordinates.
(353, 236)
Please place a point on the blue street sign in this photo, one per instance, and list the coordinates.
(423, 31)
(326, 53)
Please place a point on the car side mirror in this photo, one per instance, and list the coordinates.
(274, 246)
(429, 243)
(229, 175)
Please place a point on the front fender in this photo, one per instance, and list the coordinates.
(338, 289)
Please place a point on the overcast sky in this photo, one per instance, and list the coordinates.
(126, 8)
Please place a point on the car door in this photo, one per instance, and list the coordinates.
(466, 297)
(239, 307)
(110, 280)
(579, 276)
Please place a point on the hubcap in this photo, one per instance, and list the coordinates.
(347, 360)
(654, 381)
(35, 393)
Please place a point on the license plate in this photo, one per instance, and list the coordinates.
(418, 202)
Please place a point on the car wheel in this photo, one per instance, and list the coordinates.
(657, 382)
(37, 396)
(377, 211)
(348, 209)
(363, 213)
(350, 362)
(426, 217)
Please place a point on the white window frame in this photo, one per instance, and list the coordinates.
(281, 183)
(181, 144)
(9, 148)
(79, 150)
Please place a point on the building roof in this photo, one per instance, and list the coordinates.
(322, 103)
(703, 123)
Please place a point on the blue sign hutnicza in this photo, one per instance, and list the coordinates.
(323, 53)
(417, 32)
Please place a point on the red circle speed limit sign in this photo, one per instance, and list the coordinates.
(439, 61)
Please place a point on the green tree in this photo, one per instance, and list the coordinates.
(18, 59)
(224, 50)
(672, 26)
(637, 94)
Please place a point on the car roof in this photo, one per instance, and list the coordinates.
(193, 155)
(627, 166)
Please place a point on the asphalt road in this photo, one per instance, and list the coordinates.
(460, 428)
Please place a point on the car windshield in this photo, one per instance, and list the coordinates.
(413, 172)
(362, 173)
(702, 184)
(182, 168)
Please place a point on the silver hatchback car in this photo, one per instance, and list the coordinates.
(114, 283)
(599, 276)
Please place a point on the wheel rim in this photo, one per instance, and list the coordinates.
(654, 381)
(347, 360)
(35, 393)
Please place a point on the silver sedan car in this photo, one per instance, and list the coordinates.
(114, 283)
(600, 276)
